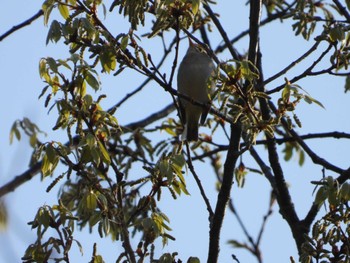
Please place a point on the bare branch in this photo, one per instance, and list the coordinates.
(199, 184)
(217, 23)
(270, 18)
(342, 10)
(224, 193)
(307, 72)
(21, 25)
(293, 64)
(314, 157)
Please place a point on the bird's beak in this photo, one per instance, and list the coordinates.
(190, 42)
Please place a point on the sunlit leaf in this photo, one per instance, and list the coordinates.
(321, 195)
(64, 11)
(195, 6)
(91, 201)
(193, 260)
(124, 42)
(104, 152)
(47, 7)
(14, 132)
(3, 215)
(310, 100)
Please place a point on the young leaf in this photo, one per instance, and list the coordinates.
(64, 11)
(124, 42)
(104, 153)
(92, 81)
(195, 6)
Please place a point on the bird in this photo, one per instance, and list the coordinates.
(193, 81)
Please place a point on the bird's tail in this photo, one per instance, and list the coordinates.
(191, 130)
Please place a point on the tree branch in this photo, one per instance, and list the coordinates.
(307, 72)
(314, 157)
(293, 64)
(218, 25)
(21, 25)
(265, 21)
(224, 193)
(199, 184)
(34, 170)
(342, 10)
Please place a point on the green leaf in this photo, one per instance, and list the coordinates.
(95, 156)
(104, 153)
(45, 166)
(54, 33)
(286, 93)
(79, 245)
(321, 195)
(344, 192)
(310, 100)
(336, 34)
(44, 217)
(92, 81)
(301, 157)
(94, 219)
(166, 171)
(51, 153)
(48, 167)
(237, 244)
(108, 60)
(47, 7)
(166, 258)
(97, 259)
(91, 202)
(64, 11)
(14, 132)
(193, 260)
(52, 64)
(195, 6)
(64, 63)
(3, 215)
(179, 160)
(124, 42)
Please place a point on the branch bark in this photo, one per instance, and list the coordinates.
(21, 25)
(224, 193)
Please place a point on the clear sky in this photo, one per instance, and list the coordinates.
(19, 57)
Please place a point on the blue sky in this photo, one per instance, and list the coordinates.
(20, 54)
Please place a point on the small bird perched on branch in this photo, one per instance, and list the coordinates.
(192, 80)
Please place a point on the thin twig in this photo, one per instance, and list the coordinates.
(124, 228)
(293, 64)
(167, 51)
(223, 33)
(221, 148)
(244, 33)
(199, 184)
(254, 249)
(314, 157)
(306, 73)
